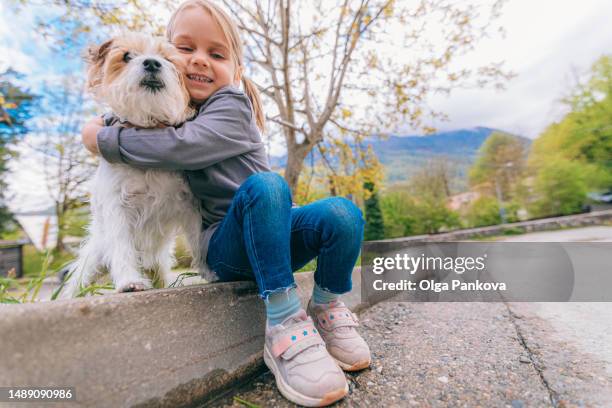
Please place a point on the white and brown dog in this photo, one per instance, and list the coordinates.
(136, 214)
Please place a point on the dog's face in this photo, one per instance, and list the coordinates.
(141, 79)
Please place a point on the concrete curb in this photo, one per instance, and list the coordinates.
(544, 224)
(164, 348)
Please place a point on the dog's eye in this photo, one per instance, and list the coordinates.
(127, 57)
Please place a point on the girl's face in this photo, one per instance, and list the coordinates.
(204, 52)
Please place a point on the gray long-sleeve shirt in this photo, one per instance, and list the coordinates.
(218, 150)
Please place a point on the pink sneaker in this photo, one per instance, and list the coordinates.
(305, 372)
(336, 324)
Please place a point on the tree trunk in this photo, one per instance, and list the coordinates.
(332, 187)
(295, 164)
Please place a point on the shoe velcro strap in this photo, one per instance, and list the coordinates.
(303, 344)
(337, 317)
(296, 340)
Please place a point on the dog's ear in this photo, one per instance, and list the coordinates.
(98, 53)
(96, 56)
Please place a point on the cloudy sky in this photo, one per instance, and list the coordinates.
(545, 41)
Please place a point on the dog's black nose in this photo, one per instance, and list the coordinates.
(151, 65)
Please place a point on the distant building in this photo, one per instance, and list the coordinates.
(39, 226)
(11, 258)
(462, 200)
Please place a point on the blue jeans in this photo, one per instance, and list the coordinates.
(263, 238)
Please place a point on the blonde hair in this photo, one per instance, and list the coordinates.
(230, 31)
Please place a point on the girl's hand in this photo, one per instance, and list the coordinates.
(90, 132)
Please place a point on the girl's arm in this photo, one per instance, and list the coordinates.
(88, 134)
(224, 128)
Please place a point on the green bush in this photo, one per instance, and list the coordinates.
(560, 188)
(405, 216)
(483, 211)
(434, 217)
(512, 210)
(398, 214)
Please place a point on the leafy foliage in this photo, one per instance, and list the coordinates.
(584, 135)
(16, 105)
(421, 207)
(398, 214)
(499, 166)
(483, 211)
(560, 188)
(574, 155)
(374, 227)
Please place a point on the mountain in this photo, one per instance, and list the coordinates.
(402, 156)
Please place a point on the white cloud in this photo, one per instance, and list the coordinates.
(12, 40)
(27, 184)
(545, 41)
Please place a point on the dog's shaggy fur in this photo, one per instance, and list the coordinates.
(136, 214)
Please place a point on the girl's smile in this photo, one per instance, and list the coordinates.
(197, 83)
(204, 52)
(199, 78)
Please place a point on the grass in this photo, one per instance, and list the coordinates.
(37, 267)
(14, 290)
(312, 265)
(182, 276)
(513, 231)
(6, 286)
(13, 235)
(93, 289)
(33, 261)
(245, 403)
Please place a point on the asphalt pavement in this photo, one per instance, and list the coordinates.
(477, 354)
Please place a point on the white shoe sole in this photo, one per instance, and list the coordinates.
(297, 397)
(360, 365)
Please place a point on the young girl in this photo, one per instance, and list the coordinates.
(250, 228)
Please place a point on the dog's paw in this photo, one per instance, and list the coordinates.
(134, 287)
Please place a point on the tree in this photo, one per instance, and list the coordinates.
(16, 103)
(67, 166)
(5, 155)
(311, 61)
(339, 70)
(433, 180)
(420, 207)
(499, 166)
(374, 227)
(430, 191)
(573, 156)
(584, 135)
